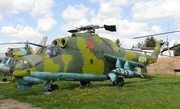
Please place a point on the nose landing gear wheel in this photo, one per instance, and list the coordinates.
(86, 83)
(53, 87)
(119, 82)
(4, 79)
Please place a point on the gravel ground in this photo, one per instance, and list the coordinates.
(14, 104)
(165, 65)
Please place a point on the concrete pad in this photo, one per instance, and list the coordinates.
(4, 82)
(43, 93)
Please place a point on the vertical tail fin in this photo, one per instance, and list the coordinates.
(157, 48)
(42, 42)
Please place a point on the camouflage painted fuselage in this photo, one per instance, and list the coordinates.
(87, 54)
(82, 57)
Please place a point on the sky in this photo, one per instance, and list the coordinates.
(22, 20)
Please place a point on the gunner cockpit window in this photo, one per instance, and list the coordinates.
(52, 51)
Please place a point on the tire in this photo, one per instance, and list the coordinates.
(85, 83)
(53, 87)
(4, 79)
(120, 82)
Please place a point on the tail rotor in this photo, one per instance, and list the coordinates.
(165, 47)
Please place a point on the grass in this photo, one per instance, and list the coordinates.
(161, 92)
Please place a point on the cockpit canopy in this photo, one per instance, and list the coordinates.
(9, 61)
(50, 51)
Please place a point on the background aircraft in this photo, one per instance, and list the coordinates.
(163, 49)
(12, 55)
(84, 57)
(2, 56)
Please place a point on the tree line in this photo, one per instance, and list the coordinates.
(150, 42)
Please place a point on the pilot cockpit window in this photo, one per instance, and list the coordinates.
(4, 61)
(10, 61)
(42, 50)
(52, 51)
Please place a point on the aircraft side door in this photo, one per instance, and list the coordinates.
(90, 64)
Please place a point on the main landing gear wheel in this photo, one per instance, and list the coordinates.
(4, 79)
(53, 87)
(86, 83)
(119, 82)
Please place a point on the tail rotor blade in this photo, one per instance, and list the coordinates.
(167, 43)
(162, 48)
(169, 51)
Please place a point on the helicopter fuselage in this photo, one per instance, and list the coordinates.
(82, 53)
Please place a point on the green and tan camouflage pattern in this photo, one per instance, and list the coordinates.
(84, 53)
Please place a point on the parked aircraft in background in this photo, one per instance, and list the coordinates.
(10, 58)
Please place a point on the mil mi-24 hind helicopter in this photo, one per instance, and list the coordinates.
(13, 54)
(84, 57)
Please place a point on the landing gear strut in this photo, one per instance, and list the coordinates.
(4, 78)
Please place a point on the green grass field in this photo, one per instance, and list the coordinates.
(162, 92)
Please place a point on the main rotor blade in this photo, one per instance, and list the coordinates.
(72, 31)
(12, 43)
(36, 44)
(22, 43)
(169, 52)
(110, 27)
(165, 49)
(156, 34)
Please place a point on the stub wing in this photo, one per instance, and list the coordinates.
(114, 59)
(127, 68)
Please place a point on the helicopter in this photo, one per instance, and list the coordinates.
(84, 56)
(10, 58)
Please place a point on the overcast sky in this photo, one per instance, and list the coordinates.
(22, 20)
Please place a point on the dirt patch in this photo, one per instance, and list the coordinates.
(1, 96)
(165, 65)
(14, 104)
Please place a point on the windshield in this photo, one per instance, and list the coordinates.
(4, 61)
(50, 51)
(8, 61)
(19, 65)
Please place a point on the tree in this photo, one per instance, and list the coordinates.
(150, 42)
(177, 51)
(140, 44)
(118, 43)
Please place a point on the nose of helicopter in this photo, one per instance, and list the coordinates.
(5, 69)
(19, 69)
